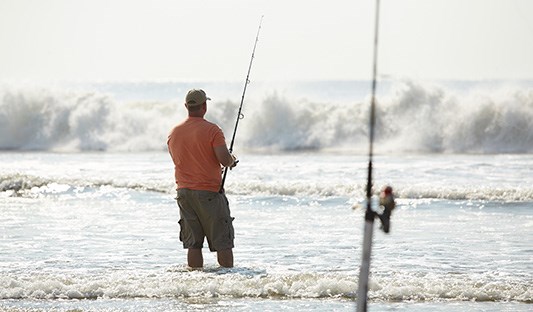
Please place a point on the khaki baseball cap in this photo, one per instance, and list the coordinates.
(196, 97)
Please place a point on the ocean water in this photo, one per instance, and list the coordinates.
(412, 117)
(88, 218)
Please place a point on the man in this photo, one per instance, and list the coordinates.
(198, 149)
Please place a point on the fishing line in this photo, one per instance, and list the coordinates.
(240, 115)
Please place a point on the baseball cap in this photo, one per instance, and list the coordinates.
(196, 97)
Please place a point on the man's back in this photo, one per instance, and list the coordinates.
(191, 145)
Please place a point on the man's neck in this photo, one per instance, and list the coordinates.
(196, 114)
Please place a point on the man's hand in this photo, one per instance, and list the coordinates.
(235, 161)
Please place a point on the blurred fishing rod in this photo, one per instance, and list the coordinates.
(240, 114)
(386, 197)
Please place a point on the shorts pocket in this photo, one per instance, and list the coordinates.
(181, 229)
(208, 195)
(229, 228)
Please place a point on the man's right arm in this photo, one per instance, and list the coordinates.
(224, 156)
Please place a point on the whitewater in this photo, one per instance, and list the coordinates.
(411, 117)
(89, 222)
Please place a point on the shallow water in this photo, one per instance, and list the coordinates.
(99, 232)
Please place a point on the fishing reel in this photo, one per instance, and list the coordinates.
(387, 205)
(386, 200)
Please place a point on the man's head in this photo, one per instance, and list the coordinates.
(195, 99)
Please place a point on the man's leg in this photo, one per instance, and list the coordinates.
(225, 258)
(195, 258)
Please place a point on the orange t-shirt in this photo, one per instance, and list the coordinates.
(191, 144)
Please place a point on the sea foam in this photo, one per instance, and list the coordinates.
(196, 284)
(411, 117)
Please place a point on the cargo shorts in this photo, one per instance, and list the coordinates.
(205, 214)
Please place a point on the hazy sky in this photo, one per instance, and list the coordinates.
(300, 39)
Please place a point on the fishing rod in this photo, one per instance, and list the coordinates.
(386, 197)
(240, 115)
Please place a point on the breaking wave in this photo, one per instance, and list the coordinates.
(22, 185)
(249, 283)
(412, 117)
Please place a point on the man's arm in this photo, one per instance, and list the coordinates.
(224, 157)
